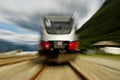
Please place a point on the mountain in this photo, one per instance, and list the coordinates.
(103, 26)
(9, 46)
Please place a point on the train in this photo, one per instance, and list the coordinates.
(58, 37)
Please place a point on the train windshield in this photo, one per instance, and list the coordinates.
(63, 27)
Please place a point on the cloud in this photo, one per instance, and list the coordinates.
(28, 39)
(28, 14)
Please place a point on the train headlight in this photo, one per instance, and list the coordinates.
(73, 45)
(45, 45)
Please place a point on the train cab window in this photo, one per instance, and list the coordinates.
(58, 27)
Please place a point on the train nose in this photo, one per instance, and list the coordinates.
(59, 44)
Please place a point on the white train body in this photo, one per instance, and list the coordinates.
(58, 33)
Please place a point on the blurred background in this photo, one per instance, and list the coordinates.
(98, 30)
(20, 20)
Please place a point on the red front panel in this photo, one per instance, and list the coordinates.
(73, 45)
(45, 45)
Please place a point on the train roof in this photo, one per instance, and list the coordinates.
(58, 17)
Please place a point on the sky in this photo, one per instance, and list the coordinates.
(20, 20)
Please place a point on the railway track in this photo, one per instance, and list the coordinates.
(40, 70)
(56, 71)
(79, 69)
(34, 77)
(78, 72)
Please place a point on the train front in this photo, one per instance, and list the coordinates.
(58, 39)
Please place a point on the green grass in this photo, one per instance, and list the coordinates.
(104, 25)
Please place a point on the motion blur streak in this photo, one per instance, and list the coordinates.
(29, 39)
(27, 14)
